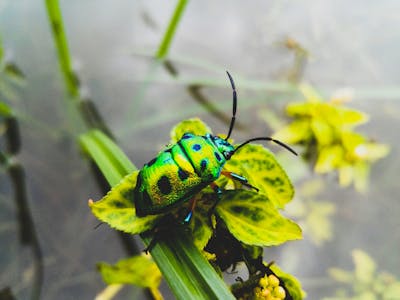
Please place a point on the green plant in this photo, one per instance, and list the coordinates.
(243, 220)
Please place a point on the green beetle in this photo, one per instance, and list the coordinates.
(183, 169)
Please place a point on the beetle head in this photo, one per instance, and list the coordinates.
(223, 147)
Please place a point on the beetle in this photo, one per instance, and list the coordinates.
(183, 169)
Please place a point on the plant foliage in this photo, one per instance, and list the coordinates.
(246, 218)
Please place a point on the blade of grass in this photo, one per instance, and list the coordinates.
(99, 146)
(188, 273)
(166, 41)
(55, 18)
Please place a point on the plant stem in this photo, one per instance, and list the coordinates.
(55, 17)
(166, 42)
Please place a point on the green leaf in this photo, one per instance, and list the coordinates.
(364, 266)
(194, 126)
(260, 167)
(138, 270)
(5, 110)
(291, 283)
(186, 270)
(117, 208)
(199, 224)
(112, 162)
(253, 219)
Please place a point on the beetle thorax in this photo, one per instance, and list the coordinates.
(224, 147)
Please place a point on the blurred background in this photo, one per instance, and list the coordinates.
(269, 47)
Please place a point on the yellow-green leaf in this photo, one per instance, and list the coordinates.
(5, 110)
(260, 167)
(200, 226)
(117, 208)
(194, 126)
(138, 270)
(253, 219)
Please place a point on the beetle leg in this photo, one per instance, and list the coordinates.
(218, 192)
(241, 179)
(216, 189)
(190, 213)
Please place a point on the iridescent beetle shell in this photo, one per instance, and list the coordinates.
(179, 172)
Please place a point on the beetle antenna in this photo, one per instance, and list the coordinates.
(266, 138)
(233, 107)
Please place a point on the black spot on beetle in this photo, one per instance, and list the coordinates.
(182, 174)
(187, 136)
(164, 185)
(196, 147)
(217, 156)
(203, 164)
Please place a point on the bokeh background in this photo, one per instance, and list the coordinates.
(351, 47)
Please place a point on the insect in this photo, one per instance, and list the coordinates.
(183, 169)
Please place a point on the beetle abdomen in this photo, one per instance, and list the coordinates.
(167, 180)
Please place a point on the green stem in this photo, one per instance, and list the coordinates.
(55, 18)
(166, 42)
